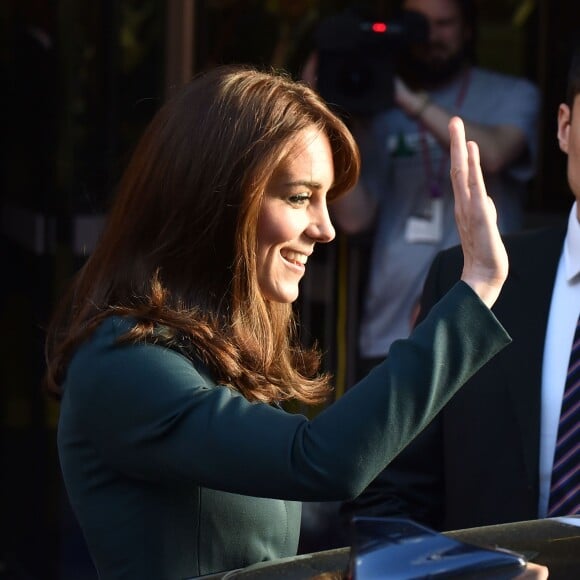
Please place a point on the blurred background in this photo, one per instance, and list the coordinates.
(80, 80)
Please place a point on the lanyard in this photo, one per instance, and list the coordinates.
(434, 180)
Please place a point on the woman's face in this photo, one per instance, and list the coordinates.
(294, 216)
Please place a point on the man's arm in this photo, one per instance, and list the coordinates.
(499, 145)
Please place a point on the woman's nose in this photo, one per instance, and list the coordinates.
(321, 228)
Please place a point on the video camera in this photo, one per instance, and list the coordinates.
(356, 64)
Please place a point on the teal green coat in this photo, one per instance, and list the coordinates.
(172, 476)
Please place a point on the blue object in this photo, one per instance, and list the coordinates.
(400, 549)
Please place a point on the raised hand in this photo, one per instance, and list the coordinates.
(485, 262)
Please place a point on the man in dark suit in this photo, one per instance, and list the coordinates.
(487, 457)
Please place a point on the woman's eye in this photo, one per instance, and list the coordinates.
(299, 199)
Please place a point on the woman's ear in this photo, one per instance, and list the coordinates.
(564, 115)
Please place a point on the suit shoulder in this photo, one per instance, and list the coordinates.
(538, 237)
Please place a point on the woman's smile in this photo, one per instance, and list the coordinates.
(294, 216)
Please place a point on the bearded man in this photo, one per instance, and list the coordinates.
(405, 191)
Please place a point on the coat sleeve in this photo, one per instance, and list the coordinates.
(150, 415)
(413, 484)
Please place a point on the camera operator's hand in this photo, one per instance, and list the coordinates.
(485, 261)
(309, 74)
(413, 103)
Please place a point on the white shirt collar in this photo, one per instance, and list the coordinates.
(572, 247)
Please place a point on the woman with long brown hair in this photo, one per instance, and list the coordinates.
(176, 344)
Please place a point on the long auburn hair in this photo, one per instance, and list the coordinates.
(178, 253)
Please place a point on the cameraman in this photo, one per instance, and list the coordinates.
(405, 192)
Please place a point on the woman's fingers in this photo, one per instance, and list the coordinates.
(475, 177)
(459, 163)
(466, 174)
(476, 183)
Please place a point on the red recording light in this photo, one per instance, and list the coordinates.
(379, 27)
